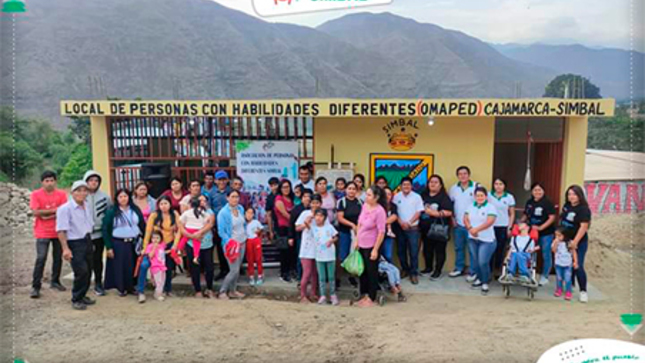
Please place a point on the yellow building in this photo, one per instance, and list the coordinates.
(494, 137)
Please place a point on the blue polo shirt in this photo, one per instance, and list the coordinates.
(218, 199)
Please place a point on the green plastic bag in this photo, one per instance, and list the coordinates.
(354, 263)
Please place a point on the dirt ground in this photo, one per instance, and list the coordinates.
(428, 328)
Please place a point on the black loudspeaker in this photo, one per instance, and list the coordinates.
(149, 169)
(157, 175)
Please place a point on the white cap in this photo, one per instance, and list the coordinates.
(79, 184)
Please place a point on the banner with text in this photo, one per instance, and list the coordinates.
(257, 161)
(541, 107)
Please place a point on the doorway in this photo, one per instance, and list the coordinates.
(546, 159)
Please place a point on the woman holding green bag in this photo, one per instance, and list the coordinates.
(371, 231)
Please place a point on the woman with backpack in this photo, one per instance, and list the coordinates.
(435, 225)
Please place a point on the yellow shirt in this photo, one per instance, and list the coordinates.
(169, 232)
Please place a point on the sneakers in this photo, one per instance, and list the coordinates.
(544, 281)
(35, 293)
(142, 298)
(160, 298)
(471, 278)
(425, 272)
(583, 297)
(87, 301)
(476, 284)
(285, 279)
(334, 300)
(252, 281)
(568, 296)
(435, 276)
(57, 286)
(259, 281)
(98, 290)
(484, 289)
(322, 300)
(558, 292)
(525, 279)
(78, 305)
(454, 273)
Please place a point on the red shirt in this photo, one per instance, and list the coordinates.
(175, 202)
(288, 205)
(41, 200)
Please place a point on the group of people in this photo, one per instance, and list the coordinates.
(313, 225)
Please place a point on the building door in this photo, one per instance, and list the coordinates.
(546, 159)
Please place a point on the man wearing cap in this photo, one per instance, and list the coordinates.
(98, 203)
(218, 201)
(74, 225)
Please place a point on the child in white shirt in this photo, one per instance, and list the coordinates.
(325, 236)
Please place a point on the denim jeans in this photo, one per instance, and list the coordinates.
(42, 248)
(482, 253)
(563, 274)
(344, 245)
(581, 275)
(143, 273)
(387, 248)
(411, 240)
(545, 243)
(519, 259)
(461, 243)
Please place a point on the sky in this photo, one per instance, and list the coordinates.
(594, 23)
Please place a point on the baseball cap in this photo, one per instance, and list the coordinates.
(274, 180)
(79, 184)
(221, 174)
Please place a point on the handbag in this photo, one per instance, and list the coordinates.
(282, 243)
(439, 231)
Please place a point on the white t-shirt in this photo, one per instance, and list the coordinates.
(462, 199)
(190, 221)
(307, 242)
(322, 235)
(408, 205)
(522, 242)
(252, 228)
(563, 256)
(502, 205)
(478, 215)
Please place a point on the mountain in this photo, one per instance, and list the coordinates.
(606, 68)
(443, 63)
(198, 49)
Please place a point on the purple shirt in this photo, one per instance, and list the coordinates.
(75, 219)
(371, 223)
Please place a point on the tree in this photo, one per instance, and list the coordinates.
(80, 127)
(571, 86)
(78, 164)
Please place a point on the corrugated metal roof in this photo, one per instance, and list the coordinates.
(614, 165)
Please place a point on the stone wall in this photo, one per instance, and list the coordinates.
(14, 206)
